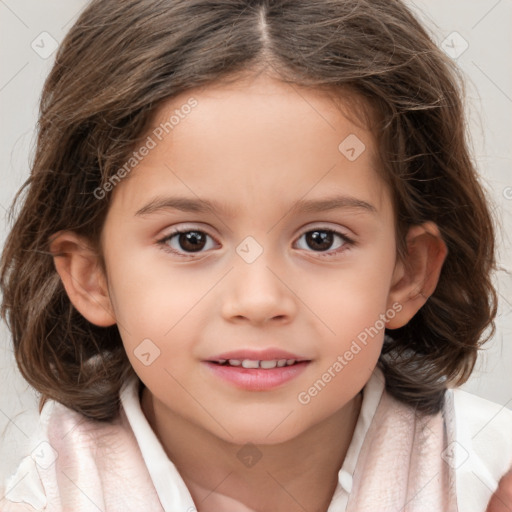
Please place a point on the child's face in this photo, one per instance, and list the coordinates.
(264, 276)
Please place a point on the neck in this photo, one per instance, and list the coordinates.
(296, 475)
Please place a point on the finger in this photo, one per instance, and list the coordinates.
(501, 500)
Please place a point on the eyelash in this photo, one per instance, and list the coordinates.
(347, 242)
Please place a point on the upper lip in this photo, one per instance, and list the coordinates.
(268, 354)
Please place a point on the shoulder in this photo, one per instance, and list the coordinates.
(28, 488)
(489, 417)
(481, 447)
(74, 458)
(62, 438)
(24, 491)
(486, 427)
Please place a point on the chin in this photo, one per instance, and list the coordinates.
(269, 432)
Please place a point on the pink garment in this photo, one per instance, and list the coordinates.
(397, 461)
(401, 465)
(99, 467)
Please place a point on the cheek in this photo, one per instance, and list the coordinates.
(353, 311)
(351, 299)
(148, 299)
(161, 310)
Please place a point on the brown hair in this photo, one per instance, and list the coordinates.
(117, 65)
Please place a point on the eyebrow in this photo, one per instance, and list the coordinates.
(186, 204)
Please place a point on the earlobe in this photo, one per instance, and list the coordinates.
(416, 277)
(81, 274)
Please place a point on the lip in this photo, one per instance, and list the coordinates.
(257, 355)
(257, 379)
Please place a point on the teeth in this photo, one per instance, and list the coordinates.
(248, 363)
(251, 363)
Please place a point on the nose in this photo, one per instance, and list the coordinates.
(257, 293)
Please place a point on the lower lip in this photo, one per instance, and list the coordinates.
(257, 379)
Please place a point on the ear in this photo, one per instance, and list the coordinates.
(78, 266)
(415, 278)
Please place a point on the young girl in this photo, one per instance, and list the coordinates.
(252, 262)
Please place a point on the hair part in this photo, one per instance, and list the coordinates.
(99, 99)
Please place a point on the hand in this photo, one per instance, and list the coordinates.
(501, 500)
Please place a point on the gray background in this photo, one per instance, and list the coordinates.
(29, 28)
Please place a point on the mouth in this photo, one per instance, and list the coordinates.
(265, 364)
(257, 371)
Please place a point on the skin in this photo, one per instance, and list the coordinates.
(256, 147)
(501, 501)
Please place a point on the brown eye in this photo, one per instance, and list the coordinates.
(323, 240)
(319, 240)
(191, 241)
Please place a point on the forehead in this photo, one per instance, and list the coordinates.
(262, 101)
(253, 137)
